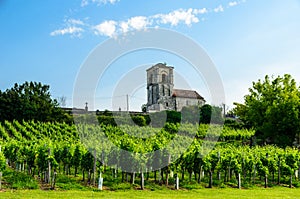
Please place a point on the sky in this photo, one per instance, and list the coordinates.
(50, 41)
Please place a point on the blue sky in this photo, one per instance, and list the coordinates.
(48, 41)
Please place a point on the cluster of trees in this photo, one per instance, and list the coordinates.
(192, 114)
(272, 108)
(30, 101)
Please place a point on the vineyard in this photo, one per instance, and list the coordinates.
(142, 157)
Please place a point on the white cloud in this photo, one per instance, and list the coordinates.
(175, 17)
(74, 31)
(138, 23)
(73, 27)
(200, 11)
(134, 23)
(219, 9)
(111, 27)
(98, 2)
(107, 28)
(124, 26)
(232, 3)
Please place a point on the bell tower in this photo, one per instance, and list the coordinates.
(159, 87)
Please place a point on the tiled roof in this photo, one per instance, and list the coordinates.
(186, 94)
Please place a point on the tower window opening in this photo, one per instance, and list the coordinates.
(163, 78)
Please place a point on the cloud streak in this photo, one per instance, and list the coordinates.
(111, 28)
(75, 31)
(73, 27)
(174, 18)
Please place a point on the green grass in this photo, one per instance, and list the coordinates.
(70, 183)
(20, 185)
(274, 193)
(19, 180)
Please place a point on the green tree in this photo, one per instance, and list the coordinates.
(205, 114)
(211, 114)
(190, 114)
(30, 101)
(144, 108)
(139, 120)
(272, 108)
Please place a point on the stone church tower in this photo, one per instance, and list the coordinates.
(161, 93)
(160, 87)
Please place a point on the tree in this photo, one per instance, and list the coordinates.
(211, 114)
(190, 114)
(272, 108)
(205, 114)
(62, 101)
(144, 108)
(30, 101)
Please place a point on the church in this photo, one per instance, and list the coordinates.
(162, 96)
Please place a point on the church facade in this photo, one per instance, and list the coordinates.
(161, 94)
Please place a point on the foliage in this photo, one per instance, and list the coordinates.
(272, 108)
(234, 123)
(190, 114)
(30, 101)
(19, 180)
(211, 114)
(2, 162)
(139, 120)
(34, 145)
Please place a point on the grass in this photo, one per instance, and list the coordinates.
(274, 193)
(20, 185)
(18, 180)
(68, 183)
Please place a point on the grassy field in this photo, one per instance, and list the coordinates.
(201, 193)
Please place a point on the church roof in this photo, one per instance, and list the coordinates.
(160, 65)
(186, 94)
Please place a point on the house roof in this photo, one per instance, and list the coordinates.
(186, 94)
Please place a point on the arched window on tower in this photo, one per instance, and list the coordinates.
(164, 78)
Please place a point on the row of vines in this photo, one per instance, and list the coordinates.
(202, 152)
